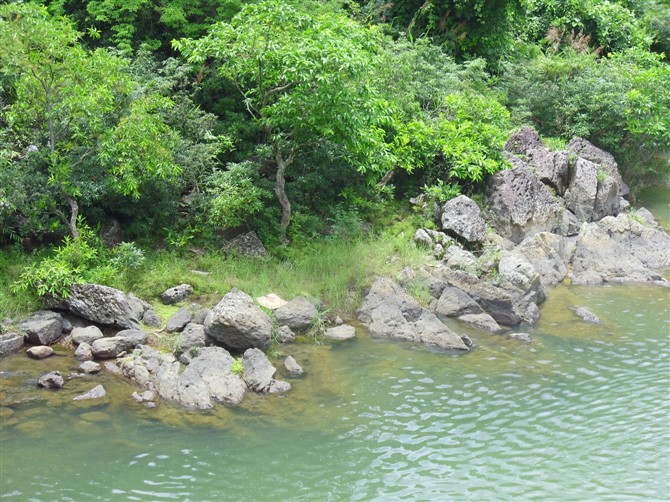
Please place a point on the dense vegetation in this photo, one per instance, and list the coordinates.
(190, 121)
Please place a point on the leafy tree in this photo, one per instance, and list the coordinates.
(92, 130)
(305, 76)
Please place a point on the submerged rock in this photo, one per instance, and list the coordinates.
(97, 392)
(293, 367)
(340, 333)
(587, 315)
(52, 380)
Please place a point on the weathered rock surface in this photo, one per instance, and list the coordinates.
(176, 294)
(151, 319)
(523, 140)
(179, 320)
(340, 333)
(97, 392)
(298, 314)
(42, 328)
(551, 168)
(137, 305)
(390, 312)
(238, 323)
(136, 336)
(462, 217)
(52, 380)
(584, 149)
(591, 195)
(258, 370)
(548, 255)
(83, 352)
(89, 367)
(110, 347)
(459, 259)
(40, 351)
(248, 245)
(88, 335)
(517, 273)
(10, 343)
(293, 367)
(286, 335)
(482, 321)
(99, 304)
(192, 337)
(454, 303)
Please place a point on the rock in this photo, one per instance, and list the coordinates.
(523, 140)
(40, 351)
(67, 325)
(83, 352)
(582, 148)
(516, 272)
(248, 245)
(548, 255)
(112, 367)
(454, 303)
(460, 259)
(271, 301)
(96, 392)
(286, 335)
(176, 294)
(520, 204)
(9, 343)
(390, 312)
(551, 168)
(151, 319)
(52, 380)
(522, 337)
(258, 370)
(340, 333)
(88, 335)
(137, 305)
(279, 387)
(179, 320)
(136, 336)
(293, 367)
(108, 348)
(42, 328)
(99, 304)
(89, 367)
(199, 314)
(213, 367)
(238, 323)
(590, 196)
(482, 321)
(298, 314)
(147, 396)
(422, 238)
(599, 258)
(646, 217)
(587, 315)
(462, 217)
(192, 337)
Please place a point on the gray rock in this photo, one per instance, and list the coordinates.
(548, 255)
(248, 245)
(587, 315)
(522, 337)
(279, 387)
(89, 367)
(10, 343)
(422, 238)
(42, 328)
(83, 352)
(67, 325)
(523, 140)
(192, 337)
(176, 294)
(298, 314)
(136, 336)
(179, 320)
(137, 305)
(520, 204)
(199, 314)
(589, 196)
(293, 367)
(517, 273)
(390, 312)
(482, 321)
(582, 148)
(455, 303)
(112, 367)
(88, 335)
(52, 380)
(99, 304)
(213, 367)
(340, 333)
(147, 396)
(108, 348)
(285, 334)
(647, 218)
(111, 234)
(552, 168)
(40, 352)
(151, 319)
(96, 392)
(460, 259)
(463, 217)
(258, 370)
(238, 323)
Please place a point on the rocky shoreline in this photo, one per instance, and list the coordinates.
(553, 217)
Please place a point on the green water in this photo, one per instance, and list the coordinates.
(582, 413)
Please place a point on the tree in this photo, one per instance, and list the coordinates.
(91, 125)
(306, 76)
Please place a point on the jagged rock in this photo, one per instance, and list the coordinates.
(548, 255)
(298, 314)
(481, 321)
(151, 319)
(293, 367)
(42, 328)
(40, 352)
(584, 149)
(463, 217)
(88, 335)
(112, 367)
(179, 320)
(52, 380)
(390, 312)
(271, 301)
(520, 204)
(192, 337)
(522, 337)
(286, 335)
(83, 352)
(10, 342)
(96, 392)
(246, 245)
(552, 168)
(98, 304)
(137, 305)
(110, 347)
(258, 370)
(238, 323)
(590, 196)
(516, 272)
(176, 294)
(587, 315)
(523, 140)
(340, 333)
(89, 367)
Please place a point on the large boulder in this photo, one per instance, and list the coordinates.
(516, 273)
(392, 313)
(88, 334)
(552, 168)
(42, 328)
(298, 314)
(99, 304)
(461, 216)
(10, 343)
(523, 140)
(238, 323)
(192, 337)
(586, 150)
(548, 255)
(592, 194)
(520, 204)
(248, 245)
(110, 347)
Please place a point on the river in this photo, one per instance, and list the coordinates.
(581, 413)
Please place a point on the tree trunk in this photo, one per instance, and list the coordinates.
(280, 190)
(74, 213)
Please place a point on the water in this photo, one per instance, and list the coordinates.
(582, 413)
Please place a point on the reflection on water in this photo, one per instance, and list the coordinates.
(581, 413)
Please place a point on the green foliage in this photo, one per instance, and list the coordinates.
(237, 366)
(441, 192)
(127, 257)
